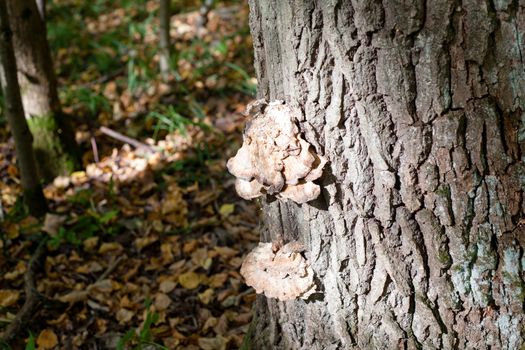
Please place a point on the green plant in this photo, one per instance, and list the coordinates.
(144, 336)
(31, 342)
(247, 85)
(92, 101)
(192, 168)
(18, 211)
(170, 120)
(91, 222)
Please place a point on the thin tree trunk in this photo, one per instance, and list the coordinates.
(54, 140)
(418, 237)
(14, 112)
(41, 4)
(164, 38)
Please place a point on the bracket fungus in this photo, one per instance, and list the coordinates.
(283, 274)
(274, 158)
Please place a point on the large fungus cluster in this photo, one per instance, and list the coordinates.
(283, 274)
(274, 158)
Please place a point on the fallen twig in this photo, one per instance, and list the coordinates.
(110, 269)
(95, 149)
(32, 296)
(118, 136)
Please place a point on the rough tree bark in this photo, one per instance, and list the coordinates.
(418, 238)
(54, 140)
(14, 112)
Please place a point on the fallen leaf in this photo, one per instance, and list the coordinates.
(52, 223)
(8, 297)
(109, 246)
(124, 315)
(226, 209)
(218, 280)
(90, 243)
(47, 339)
(207, 296)
(143, 242)
(167, 286)
(189, 280)
(12, 231)
(226, 252)
(190, 246)
(74, 296)
(162, 301)
(90, 267)
(217, 343)
(19, 270)
(210, 323)
(199, 256)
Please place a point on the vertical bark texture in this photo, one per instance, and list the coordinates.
(54, 140)
(15, 116)
(418, 240)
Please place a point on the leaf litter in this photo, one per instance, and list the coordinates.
(146, 244)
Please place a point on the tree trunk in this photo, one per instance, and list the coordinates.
(14, 112)
(164, 39)
(54, 140)
(418, 237)
(41, 5)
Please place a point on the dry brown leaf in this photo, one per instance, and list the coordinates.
(124, 315)
(90, 267)
(162, 301)
(200, 256)
(226, 252)
(12, 230)
(166, 252)
(74, 296)
(207, 296)
(8, 297)
(167, 286)
(47, 339)
(190, 246)
(143, 242)
(210, 323)
(18, 271)
(218, 280)
(189, 280)
(217, 343)
(109, 246)
(90, 243)
(52, 223)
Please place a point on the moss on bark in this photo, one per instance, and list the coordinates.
(56, 154)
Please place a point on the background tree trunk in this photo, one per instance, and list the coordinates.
(41, 5)
(418, 238)
(14, 112)
(164, 38)
(54, 140)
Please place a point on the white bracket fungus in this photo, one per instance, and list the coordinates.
(274, 158)
(281, 273)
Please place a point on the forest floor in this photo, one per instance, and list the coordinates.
(143, 245)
